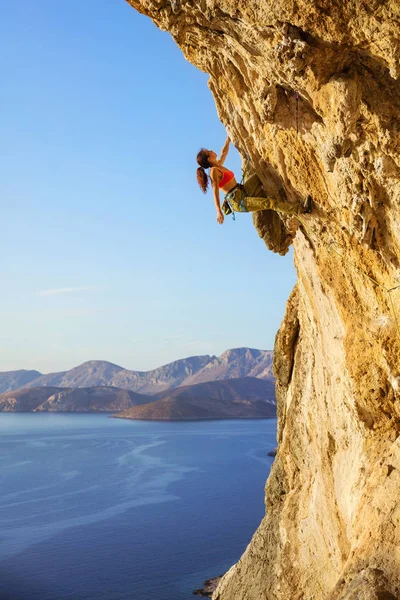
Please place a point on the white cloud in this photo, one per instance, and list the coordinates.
(67, 290)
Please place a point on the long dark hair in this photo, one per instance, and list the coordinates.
(202, 177)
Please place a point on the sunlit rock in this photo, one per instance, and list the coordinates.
(309, 91)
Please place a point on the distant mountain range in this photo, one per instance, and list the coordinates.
(237, 384)
(243, 398)
(239, 362)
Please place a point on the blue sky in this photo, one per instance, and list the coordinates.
(110, 250)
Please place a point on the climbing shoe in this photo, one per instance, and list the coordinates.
(307, 206)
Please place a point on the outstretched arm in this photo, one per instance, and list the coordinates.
(215, 176)
(224, 151)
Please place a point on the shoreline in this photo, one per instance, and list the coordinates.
(209, 587)
(116, 416)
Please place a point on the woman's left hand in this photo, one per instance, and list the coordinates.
(220, 217)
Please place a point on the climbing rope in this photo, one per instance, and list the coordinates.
(389, 291)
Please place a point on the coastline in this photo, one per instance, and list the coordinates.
(117, 416)
(210, 585)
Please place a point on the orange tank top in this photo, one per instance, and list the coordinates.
(227, 176)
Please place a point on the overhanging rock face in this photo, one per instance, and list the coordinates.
(309, 90)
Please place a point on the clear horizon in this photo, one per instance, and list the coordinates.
(109, 247)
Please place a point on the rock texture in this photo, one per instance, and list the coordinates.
(309, 91)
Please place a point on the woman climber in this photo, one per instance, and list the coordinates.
(248, 197)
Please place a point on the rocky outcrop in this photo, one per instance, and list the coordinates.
(210, 586)
(309, 91)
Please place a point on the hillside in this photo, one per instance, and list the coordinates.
(245, 398)
(25, 400)
(249, 388)
(53, 399)
(211, 398)
(238, 362)
(12, 380)
(195, 409)
(89, 374)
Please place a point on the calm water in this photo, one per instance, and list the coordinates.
(93, 508)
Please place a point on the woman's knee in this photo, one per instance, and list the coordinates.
(253, 186)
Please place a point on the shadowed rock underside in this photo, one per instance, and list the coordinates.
(309, 91)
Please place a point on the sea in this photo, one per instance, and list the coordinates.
(97, 508)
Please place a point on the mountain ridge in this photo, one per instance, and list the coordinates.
(242, 398)
(233, 363)
(13, 380)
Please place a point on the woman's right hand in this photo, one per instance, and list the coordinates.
(220, 217)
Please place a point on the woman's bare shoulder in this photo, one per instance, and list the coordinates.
(216, 172)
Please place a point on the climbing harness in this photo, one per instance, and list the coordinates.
(356, 268)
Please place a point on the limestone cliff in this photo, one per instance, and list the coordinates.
(309, 90)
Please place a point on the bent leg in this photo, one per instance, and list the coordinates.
(253, 204)
(256, 199)
(253, 187)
